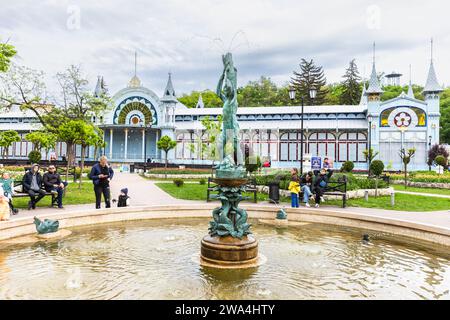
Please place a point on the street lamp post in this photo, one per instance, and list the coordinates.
(429, 148)
(312, 95)
(369, 155)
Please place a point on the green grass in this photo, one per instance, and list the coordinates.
(422, 190)
(403, 202)
(73, 196)
(194, 191)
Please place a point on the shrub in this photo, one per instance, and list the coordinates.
(440, 160)
(178, 182)
(252, 163)
(347, 166)
(34, 156)
(202, 181)
(434, 152)
(377, 167)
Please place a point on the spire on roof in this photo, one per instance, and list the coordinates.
(432, 85)
(374, 84)
(200, 104)
(135, 82)
(169, 92)
(100, 88)
(410, 89)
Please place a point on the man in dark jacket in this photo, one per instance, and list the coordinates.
(53, 184)
(101, 174)
(321, 184)
(32, 183)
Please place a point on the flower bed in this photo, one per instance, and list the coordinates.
(423, 176)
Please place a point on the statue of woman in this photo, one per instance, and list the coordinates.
(227, 91)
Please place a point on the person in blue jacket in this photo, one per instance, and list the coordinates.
(101, 175)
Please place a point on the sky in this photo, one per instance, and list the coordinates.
(187, 38)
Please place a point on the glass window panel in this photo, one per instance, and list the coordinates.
(264, 149)
(342, 152)
(352, 136)
(273, 151)
(284, 151)
(292, 151)
(293, 136)
(352, 151)
(331, 150)
(361, 148)
(322, 149)
(313, 136)
(343, 136)
(313, 149)
(322, 136)
(284, 136)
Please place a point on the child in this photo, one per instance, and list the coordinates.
(4, 208)
(294, 188)
(6, 185)
(321, 184)
(124, 199)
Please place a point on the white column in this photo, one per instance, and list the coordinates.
(126, 144)
(143, 145)
(110, 143)
(156, 143)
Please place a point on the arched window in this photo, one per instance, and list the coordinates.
(322, 144)
(290, 149)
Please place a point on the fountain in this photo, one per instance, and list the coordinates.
(229, 243)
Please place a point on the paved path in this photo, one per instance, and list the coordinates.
(423, 194)
(145, 192)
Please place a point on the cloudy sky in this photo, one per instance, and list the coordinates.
(267, 37)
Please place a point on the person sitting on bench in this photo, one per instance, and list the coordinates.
(321, 184)
(53, 184)
(306, 183)
(32, 183)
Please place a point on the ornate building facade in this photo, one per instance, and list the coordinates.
(341, 132)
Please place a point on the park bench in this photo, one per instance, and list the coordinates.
(335, 188)
(249, 187)
(25, 195)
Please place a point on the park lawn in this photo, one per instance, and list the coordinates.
(421, 190)
(403, 202)
(196, 191)
(73, 196)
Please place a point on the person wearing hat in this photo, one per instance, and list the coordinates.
(124, 199)
(32, 184)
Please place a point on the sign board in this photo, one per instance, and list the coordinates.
(316, 163)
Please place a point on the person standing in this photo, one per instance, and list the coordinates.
(294, 188)
(101, 174)
(53, 184)
(32, 183)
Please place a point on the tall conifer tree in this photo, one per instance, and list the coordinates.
(351, 94)
(310, 77)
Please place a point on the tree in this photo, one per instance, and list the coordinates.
(252, 163)
(87, 136)
(263, 92)
(7, 51)
(435, 151)
(42, 140)
(69, 133)
(166, 144)
(370, 155)
(441, 161)
(210, 99)
(352, 89)
(445, 116)
(377, 167)
(7, 138)
(406, 157)
(310, 77)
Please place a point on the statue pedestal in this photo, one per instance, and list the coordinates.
(228, 252)
(61, 233)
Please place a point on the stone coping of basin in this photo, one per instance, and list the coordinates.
(24, 225)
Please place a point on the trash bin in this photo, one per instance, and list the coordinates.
(132, 168)
(274, 192)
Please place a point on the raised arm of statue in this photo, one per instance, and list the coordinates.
(219, 87)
